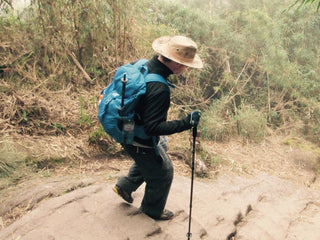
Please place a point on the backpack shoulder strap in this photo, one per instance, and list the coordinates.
(153, 77)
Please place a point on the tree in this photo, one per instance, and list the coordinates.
(303, 2)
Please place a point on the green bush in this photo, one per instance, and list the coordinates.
(220, 122)
(216, 123)
(251, 123)
(12, 163)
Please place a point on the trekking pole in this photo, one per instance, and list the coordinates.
(194, 135)
(126, 125)
(124, 83)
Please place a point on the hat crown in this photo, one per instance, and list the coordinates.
(183, 48)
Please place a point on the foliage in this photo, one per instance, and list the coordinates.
(12, 163)
(303, 2)
(216, 123)
(251, 124)
(261, 65)
(66, 41)
(278, 74)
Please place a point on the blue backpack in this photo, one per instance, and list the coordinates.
(118, 101)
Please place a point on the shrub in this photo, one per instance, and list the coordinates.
(216, 123)
(251, 123)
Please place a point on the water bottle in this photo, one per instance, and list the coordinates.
(128, 130)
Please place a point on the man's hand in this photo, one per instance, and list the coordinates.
(194, 118)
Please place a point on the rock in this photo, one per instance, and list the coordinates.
(263, 208)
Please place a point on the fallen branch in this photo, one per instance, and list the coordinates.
(74, 59)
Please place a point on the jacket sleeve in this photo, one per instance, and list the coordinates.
(156, 104)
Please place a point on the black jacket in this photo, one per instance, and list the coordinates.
(154, 105)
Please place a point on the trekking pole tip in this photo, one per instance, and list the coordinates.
(189, 235)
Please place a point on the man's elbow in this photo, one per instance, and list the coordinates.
(150, 130)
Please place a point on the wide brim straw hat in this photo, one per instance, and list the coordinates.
(180, 49)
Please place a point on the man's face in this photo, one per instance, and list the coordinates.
(177, 68)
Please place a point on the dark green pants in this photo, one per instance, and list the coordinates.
(156, 171)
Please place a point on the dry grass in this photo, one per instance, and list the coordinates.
(43, 112)
(44, 129)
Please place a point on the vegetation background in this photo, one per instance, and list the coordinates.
(261, 74)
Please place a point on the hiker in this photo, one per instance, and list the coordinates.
(151, 163)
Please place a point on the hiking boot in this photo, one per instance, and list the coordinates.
(126, 196)
(166, 215)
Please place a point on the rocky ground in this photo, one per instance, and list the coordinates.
(263, 191)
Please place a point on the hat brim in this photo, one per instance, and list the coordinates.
(159, 46)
